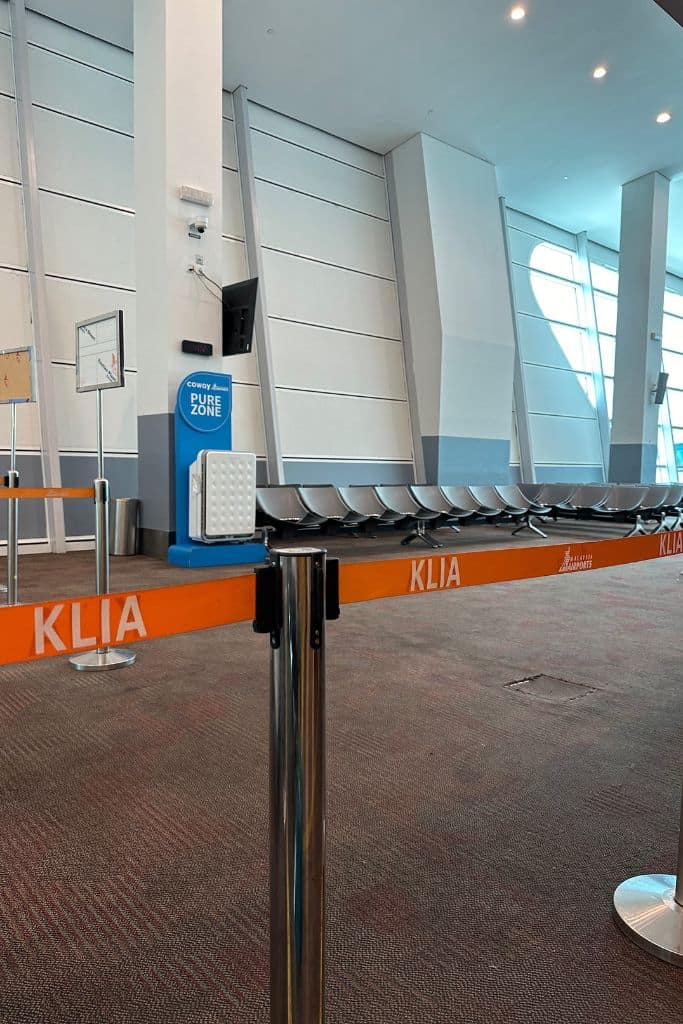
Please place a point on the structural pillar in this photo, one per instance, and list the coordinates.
(456, 312)
(178, 123)
(642, 278)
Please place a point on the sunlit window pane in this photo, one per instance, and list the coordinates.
(608, 351)
(553, 259)
(672, 333)
(557, 300)
(673, 303)
(675, 407)
(673, 364)
(606, 313)
(604, 278)
(609, 396)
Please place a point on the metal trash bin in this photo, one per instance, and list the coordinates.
(123, 526)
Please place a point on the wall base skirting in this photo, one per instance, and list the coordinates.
(155, 543)
(633, 463)
(466, 460)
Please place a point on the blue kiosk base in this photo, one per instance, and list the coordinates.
(203, 420)
(198, 556)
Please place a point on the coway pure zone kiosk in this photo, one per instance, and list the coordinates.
(215, 487)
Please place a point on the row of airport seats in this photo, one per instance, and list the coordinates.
(362, 508)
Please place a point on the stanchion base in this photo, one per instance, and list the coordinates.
(646, 911)
(102, 661)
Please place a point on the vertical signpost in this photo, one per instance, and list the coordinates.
(99, 367)
(16, 385)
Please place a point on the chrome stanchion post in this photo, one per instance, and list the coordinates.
(649, 909)
(103, 658)
(294, 596)
(13, 516)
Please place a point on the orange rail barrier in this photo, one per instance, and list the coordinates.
(47, 492)
(72, 625)
(368, 581)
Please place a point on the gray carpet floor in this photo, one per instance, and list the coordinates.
(475, 832)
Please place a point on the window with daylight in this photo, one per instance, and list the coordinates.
(557, 353)
(605, 282)
(672, 358)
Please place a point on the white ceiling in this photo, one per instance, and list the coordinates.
(520, 95)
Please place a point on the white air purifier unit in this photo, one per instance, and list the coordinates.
(222, 496)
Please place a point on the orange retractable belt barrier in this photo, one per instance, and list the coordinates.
(47, 492)
(78, 624)
(367, 581)
(71, 625)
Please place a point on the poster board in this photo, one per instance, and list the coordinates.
(99, 352)
(16, 376)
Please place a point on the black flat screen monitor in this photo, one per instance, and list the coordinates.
(239, 303)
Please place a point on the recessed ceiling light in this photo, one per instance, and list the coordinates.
(664, 117)
(518, 13)
(600, 71)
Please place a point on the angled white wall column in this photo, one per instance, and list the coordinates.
(178, 141)
(47, 415)
(252, 237)
(526, 458)
(642, 277)
(457, 304)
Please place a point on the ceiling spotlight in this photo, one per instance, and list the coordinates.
(517, 13)
(664, 117)
(600, 71)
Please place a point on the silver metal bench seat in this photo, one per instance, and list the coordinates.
(462, 500)
(399, 499)
(515, 500)
(586, 498)
(325, 500)
(283, 505)
(363, 499)
(652, 505)
(433, 499)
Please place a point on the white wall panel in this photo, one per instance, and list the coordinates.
(71, 301)
(287, 164)
(312, 138)
(229, 145)
(336, 427)
(28, 427)
(4, 16)
(54, 36)
(76, 415)
(243, 369)
(547, 232)
(234, 262)
(83, 160)
(9, 142)
(553, 344)
(88, 242)
(317, 359)
(12, 233)
(247, 420)
(228, 108)
(318, 294)
(233, 220)
(16, 310)
(319, 230)
(531, 251)
(558, 392)
(6, 66)
(565, 442)
(65, 85)
(540, 295)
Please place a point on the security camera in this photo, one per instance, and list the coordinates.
(197, 226)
